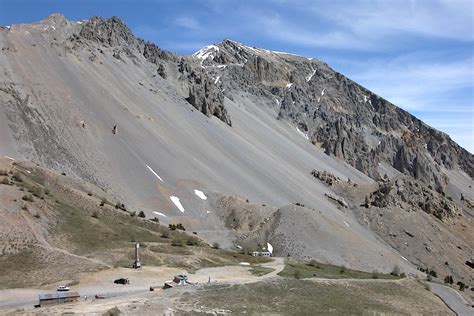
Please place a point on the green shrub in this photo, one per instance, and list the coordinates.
(155, 219)
(192, 241)
(28, 198)
(120, 206)
(36, 191)
(314, 263)
(18, 177)
(462, 286)
(176, 226)
(141, 214)
(396, 270)
(178, 242)
(448, 279)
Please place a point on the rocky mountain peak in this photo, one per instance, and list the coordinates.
(111, 31)
(56, 18)
(343, 118)
(232, 52)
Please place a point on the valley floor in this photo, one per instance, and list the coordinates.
(233, 289)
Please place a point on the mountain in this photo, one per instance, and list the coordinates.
(338, 115)
(241, 145)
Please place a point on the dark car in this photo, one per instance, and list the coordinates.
(122, 281)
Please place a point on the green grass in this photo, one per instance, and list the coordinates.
(300, 297)
(259, 271)
(237, 257)
(78, 224)
(300, 270)
(87, 234)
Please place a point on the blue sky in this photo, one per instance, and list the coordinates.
(418, 54)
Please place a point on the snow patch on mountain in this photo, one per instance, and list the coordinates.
(308, 78)
(177, 203)
(159, 213)
(200, 194)
(206, 52)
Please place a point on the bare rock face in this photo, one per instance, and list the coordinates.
(343, 118)
(111, 32)
(325, 177)
(203, 94)
(410, 195)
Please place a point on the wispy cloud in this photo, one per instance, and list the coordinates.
(418, 84)
(187, 22)
(437, 90)
(278, 28)
(415, 53)
(368, 25)
(375, 18)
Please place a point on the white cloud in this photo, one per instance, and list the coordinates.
(187, 22)
(277, 28)
(451, 19)
(416, 84)
(439, 93)
(369, 25)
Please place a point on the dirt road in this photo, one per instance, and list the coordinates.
(101, 282)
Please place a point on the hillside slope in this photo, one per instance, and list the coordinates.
(229, 121)
(343, 118)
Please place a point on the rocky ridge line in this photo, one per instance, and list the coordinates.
(201, 91)
(340, 116)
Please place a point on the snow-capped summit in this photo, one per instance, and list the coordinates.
(230, 52)
(206, 52)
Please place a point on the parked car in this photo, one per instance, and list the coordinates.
(63, 288)
(122, 281)
(99, 296)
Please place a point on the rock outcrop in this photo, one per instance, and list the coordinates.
(410, 195)
(343, 118)
(325, 177)
(199, 89)
(204, 95)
